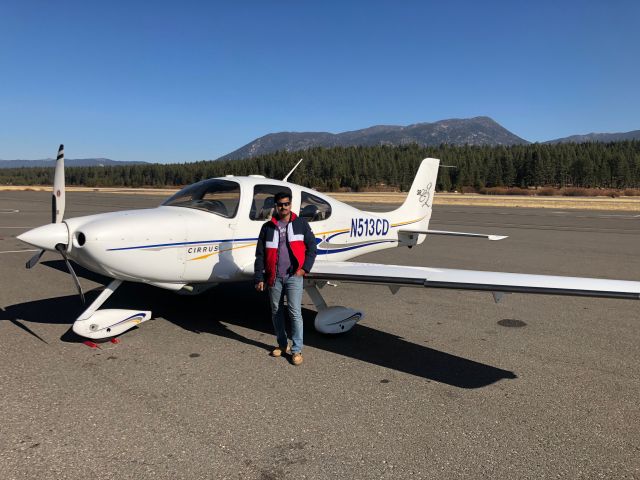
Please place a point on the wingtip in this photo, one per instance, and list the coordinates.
(498, 237)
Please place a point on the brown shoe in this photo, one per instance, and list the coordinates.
(297, 358)
(279, 351)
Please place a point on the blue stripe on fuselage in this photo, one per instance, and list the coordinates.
(179, 244)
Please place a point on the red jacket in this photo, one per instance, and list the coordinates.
(301, 243)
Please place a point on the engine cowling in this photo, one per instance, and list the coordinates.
(337, 319)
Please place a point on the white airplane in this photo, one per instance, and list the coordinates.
(206, 234)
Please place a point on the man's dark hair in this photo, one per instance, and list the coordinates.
(280, 195)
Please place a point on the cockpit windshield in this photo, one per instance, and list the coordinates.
(216, 196)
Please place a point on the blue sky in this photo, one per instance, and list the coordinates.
(185, 81)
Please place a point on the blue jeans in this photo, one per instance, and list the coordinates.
(293, 287)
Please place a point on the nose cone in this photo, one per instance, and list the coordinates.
(47, 236)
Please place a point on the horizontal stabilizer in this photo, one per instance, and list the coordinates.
(456, 234)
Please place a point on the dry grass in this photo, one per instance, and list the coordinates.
(628, 199)
(501, 191)
(556, 192)
(546, 192)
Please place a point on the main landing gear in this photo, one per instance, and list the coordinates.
(333, 320)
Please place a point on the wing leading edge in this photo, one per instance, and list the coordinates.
(497, 282)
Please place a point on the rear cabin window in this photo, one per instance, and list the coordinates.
(314, 208)
(215, 196)
(263, 203)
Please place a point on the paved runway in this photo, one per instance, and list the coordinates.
(431, 384)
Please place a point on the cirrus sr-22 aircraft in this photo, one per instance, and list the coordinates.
(206, 234)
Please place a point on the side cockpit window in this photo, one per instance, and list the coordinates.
(221, 197)
(314, 208)
(262, 203)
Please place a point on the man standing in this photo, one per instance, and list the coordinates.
(285, 251)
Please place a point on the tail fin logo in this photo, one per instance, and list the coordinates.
(424, 195)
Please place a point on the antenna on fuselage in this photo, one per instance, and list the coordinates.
(289, 174)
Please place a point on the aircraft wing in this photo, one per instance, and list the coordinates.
(396, 276)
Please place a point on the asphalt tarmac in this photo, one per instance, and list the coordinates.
(431, 384)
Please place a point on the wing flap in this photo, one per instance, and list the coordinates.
(474, 280)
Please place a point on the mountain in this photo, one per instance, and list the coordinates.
(456, 131)
(68, 162)
(599, 137)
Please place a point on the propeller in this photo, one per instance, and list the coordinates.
(58, 197)
(33, 261)
(57, 213)
(57, 200)
(61, 247)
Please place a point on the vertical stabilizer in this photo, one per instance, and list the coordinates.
(415, 212)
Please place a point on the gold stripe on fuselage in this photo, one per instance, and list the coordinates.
(202, 257)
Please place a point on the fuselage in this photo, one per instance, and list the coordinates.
(207, 232)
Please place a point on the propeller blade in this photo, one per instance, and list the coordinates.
(58, 196)
(35, 259)
(61, 248)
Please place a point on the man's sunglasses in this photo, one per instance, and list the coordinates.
(283, 204)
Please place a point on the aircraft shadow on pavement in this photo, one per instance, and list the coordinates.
(239, 304)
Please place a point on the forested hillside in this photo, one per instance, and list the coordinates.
(454, 131)
(608, 165)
